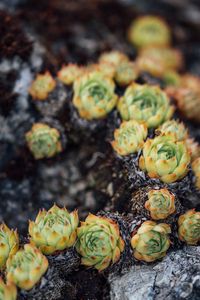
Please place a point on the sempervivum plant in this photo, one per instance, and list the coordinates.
(43, 141)
(145, 103)
(196, 170)
(54, 229)
(26, 267)
(114, 58)
(193, 147)
(94, 95)
(99, 242)
(173, 128)
(157, 61)
(126, 72)
(149, 31)
(160, 204)
(42, 86)
(187, 97)
(189, 227)
(9, 243)
(151, 241)
(68, 73)
(129, 138)
(165, 158)
(8, 291)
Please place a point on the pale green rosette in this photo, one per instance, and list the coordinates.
(145, 103)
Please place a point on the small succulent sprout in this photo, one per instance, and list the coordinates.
(126, 73)
(26, 267)
(99, 242)
(196, 170)
(8, 291)
(171, 78)
(173, 128)
(157, 61)
(193, 147)
(165, 159)
(94, 95)
(188, 102)
(42, 86)
(9, 243)
(160, 203)
(54, 229)
(151, 241)
(129, 138)
(189, 227)
(107, 69)
(145, 103)
(114, 58)
(149, 31)
(43, 141)
(69, 73)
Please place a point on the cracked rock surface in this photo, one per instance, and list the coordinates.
(177, 276)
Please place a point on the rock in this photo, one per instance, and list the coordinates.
(177, 276)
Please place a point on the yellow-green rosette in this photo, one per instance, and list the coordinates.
(99, 242)
(9, 243)
(114, 58)
(26, 267)
(149, 31)
(126, 72)
(175, 129)
(165, 159)
(160, 204)
(68, 73)
(129, 138)
(189, 227)
(8, 291)
(42, 86)
(145, 103)
(196, 170)
(43, 141)
(94, 95)
(54, 229)
(151, 241)
(158, 61)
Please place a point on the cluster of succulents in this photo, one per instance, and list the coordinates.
(143, 125)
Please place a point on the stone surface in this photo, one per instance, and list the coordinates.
(177, 276)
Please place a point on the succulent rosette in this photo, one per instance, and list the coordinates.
(94, 95)
(114, 58)
(173, 128)
(129, 138)
(189, 227)
(9, 243)
(42, 86)
(126, 72)
(69, 73)
(8, 291)
(54, 229)
(99, 242)
(165, 159)
(43, 141)
(160, 204)
(193, 147)
(107, 69)
(145, 103)
(157, 61)
(151, 241)
(26, 267)
(196, 170)
(149, 31)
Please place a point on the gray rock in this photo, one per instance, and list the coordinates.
(177, 276)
